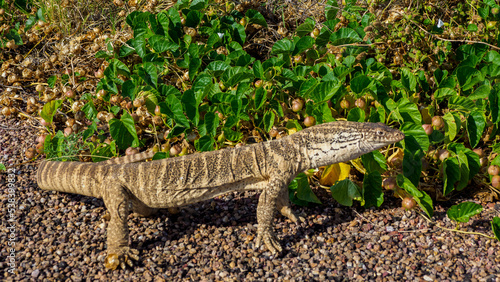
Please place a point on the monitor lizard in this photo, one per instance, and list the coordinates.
(128, 185)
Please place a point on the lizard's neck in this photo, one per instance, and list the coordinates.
(319, 149)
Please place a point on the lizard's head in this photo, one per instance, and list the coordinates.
(342, 141)
(378, 135)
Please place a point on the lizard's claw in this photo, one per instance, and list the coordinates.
(269, 239)
(121, 258)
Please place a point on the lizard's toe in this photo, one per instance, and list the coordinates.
(270, 240)
(121, 258)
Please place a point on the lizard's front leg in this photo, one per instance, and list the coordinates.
(268, 201)
(117, 202)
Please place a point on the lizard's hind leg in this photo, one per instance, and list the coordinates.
(117, 201)
(141, 209)
(284, 207)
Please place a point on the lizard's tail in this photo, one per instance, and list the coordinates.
(139, 157)
(71, 177)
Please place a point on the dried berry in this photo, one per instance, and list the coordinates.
(493, 170)
(30, 153)
(309, 121)
(389, 183)
(408, 203)
(438, 122)
(495, 181)
(427, 128)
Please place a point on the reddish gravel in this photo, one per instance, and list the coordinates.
(62, 237)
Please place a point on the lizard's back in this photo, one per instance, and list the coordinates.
(193, 178)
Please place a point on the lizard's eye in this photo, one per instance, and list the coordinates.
(380, 133)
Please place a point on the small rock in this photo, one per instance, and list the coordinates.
(428, 278)
(35, 273)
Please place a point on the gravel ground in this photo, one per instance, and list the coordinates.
(62, 237)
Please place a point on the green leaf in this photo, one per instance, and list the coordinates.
(194, 66)
(408, 79)
(305, 28)
(103, 152)
(2, 167)
(481, 92)
(416, 138)
(345, 191)
(492, 57)
(412, 165)
(472, 27)
(409, 111)
(198, 4)
(464, 211)
(476, 122)
(331, 9)
(343, 36)
(89, 131)
(254, 17)
(464, 171)
(50, 109)
(238, 33)
(90, 110)
(172, 107)
(204, 143)
(211, 122)
(374, 161)
(461, 103)
(283, 46)
(495, 227)
(126, 49)
(422, 198)
(307, 87)
(268, 120)
(372, 189)
(443, 93)
(161, 44)
(468, 77)
(260, 97)
(325, 90)
(258, 71)
(356, 114)
(302, 44)
(193, 18)
(360, 83)
(191, 103)
(217, 67)
(451, 174)
(52, 81)
(301, 190)
(160, 156)
(231, 134)
(116, 67)
(149, 74)
(494, 100)
(138, 44)
(123, 131)
(304, 191)
(235, 75)
(450, 126)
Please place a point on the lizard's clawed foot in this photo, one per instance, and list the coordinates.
(121, 258)
(288, 213)
(270, 240)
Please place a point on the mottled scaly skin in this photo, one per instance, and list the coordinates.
(126, 184)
